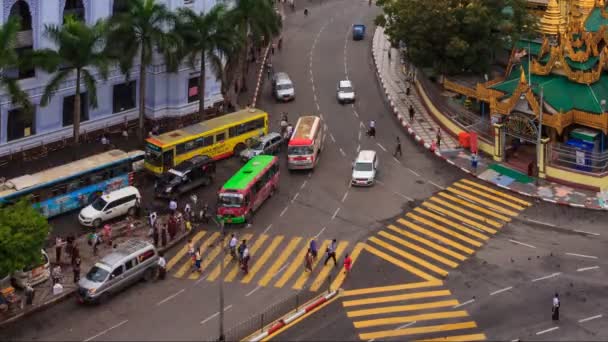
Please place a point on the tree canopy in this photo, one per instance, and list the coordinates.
(455, 35)
(23, 231)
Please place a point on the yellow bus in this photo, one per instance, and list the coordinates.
(216, 138)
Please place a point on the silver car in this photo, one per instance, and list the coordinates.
(130, 262)
(346, 93)
(266, 144)
(282, 87)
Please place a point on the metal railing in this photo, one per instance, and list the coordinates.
(262, 320)
(575, 159)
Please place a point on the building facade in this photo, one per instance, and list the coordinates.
(168, 94)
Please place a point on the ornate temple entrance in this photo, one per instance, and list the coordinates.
(521, 133)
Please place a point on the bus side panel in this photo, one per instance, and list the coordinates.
(264, 193)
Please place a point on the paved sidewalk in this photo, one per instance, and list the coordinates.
(423, 128)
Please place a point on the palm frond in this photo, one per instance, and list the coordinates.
(53, 85)
(91, 85)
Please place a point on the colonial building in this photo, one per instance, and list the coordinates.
(168, 94)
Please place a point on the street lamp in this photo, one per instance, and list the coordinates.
(220, 224)
(540, 130)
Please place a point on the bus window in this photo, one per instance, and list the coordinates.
(220, 137)
(72, 185)
(232, 132)
(204, 141)
(58, 190)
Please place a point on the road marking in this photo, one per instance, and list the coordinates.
(227, 260)
(179, 255)
(400, 263)
(411, 319)
(541, 222)
(215, 315)
(293, 266)
(356, 114)
(382, 147)
(253, 291)
(427, 242)
(313, 90)
(587, 268)
(303, 185)
(335, 213)
(332, 137)
(170, 297)
(546, 331)
(590, 318)
(252, 252)
(396, 298)
(320, 232)
(105, 331)
(390, 288)
(344, 197)
(278, 264)
(401, 308)
(418, 330)
(359, 136)
(267, 229)
(418, 249)
(405, 325)
(582, 255)
(474, 206)
(584, 232)
(444, 229)
(322, 118)
(501, 290)
(435, 236)
(257, 266)
(437, 185)
(414, 172)
(188, 265)
(283, 212)
(305, 275)
(318, 107)
(326, 269)
(463, 304)
(295, 196)
(485, 194)
(342, 151)
(462, 218)
(471, 337)
(481, 201)
(361, 124)
(396, 160)
(354, 254)
(358, 148)
(547, 277)
(409, 256)
(521, 243)
(496, 192)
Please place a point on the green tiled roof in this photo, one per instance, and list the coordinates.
(595, 21)
(532, 45)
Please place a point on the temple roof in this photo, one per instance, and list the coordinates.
(595, 20)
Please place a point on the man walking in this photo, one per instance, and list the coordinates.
(58, 249)
(245, 264)
(76, 270)
(438, 137)
(555, 309)
(331, 253)
(308, 261)
(162, 266)
(411, 110)
(232, 246)
(314, 251)
(397, 148)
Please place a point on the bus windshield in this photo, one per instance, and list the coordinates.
(300, 150)
(230, 200)
(153, 157)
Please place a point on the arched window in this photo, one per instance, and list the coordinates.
(21, 10)
(119, 6)
(25, 38)
(74, 8)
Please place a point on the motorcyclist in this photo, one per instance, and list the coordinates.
(284, 123)
(289, 131)
(306, 11)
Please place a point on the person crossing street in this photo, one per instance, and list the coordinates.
(397, 148)
(232, 246)
(331, 253)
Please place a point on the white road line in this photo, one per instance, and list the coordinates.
(267, 229)
(521, 243)
(295, 196)
(200, 280)
(320, 232)
(501, 290)
(170, 297)
(253, 291)
(303, 185)
(587, 268)
(342, 151)
(546, 331)
(355, 113)
(344, 197)
(335, 213)
(105, 331)
(358, 147)
(382, 147)
(215, 315)
(541, 222)
(318, 107)
(359, 136)
(283, 212)
(414, 172)
(361, 124)
(590, 318)
(396, 160)
(547, 277)
(584, 232)
(582, 255)
(332, 137)
(313, 91)
(436, 185)
(463, 304)
(405, 325)
(321, 115)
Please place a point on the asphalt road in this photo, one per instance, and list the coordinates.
(318, 52)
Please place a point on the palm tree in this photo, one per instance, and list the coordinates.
(210, 36)
(138, 32)
(79, 46)
(9, 59)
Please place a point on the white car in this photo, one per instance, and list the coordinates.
(346, 93)
(365, 168)
(117, 203)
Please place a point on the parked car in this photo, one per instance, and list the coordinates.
(266, 144)
(188, 175)
(365, 168)
(117, 203)
(282, 87)
(35, 274)
(129, 262)
(346, 93)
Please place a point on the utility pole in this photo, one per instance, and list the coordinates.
(540, 130)
(221, 283)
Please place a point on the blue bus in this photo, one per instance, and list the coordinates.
(74, 185)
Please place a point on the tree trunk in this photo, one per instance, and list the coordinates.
(76, 124)
(142, 98)
(201, 88)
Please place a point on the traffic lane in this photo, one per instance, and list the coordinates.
(575, 219)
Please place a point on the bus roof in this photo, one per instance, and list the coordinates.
(64, 171)
(304, 130)
(243, 177)
(175, 136)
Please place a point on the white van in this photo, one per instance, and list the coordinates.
(365, 168)
(306, 143)
(117, 203)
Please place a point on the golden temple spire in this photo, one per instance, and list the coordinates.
(553, 21)
(522, 75)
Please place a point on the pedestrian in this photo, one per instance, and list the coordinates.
(69, 245)
(407, 91)
(348, 263)
(107, 234)
(172, 227)
(241, 250)
(58, 249)
(155, 233)
(398, 148)
(56, 274)
(269, 70)
(280, 44)
(272, 48)
(197, 260)
(76, 270)
(172, 205)
(331, 253)
(152, 217)
(105, 142)
(75, 254)
(245, 264)
(187, 211)
(232, 246)
(438, 137)
(308, 261)
(474, 161)
(95, 242)
(163, 235)
(389, 53)
(314, 249)
(555, 310)
(411, 113)
(162, 266)
(372, 129)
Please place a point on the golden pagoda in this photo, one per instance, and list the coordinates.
(553, 21)
(584, 6)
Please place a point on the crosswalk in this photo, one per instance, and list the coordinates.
(429, 241)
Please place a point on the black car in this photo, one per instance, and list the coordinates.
(186, 176)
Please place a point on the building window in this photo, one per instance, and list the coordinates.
(22, 10)
(123, 97)
(24, 42)
(188, 2)
(68, 109)
(20, 124)
(25, 71)
(74, 8)
(193, 89)
(119, 6)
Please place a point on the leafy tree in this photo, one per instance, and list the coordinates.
(139, 32)
(10, 59)
(209, 36)
(23, 231)
(79, 47)
(456, 35)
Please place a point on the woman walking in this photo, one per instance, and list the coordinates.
(308, 261)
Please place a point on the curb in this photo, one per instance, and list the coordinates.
(65, 295)
(288, 319)
(438, 154)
